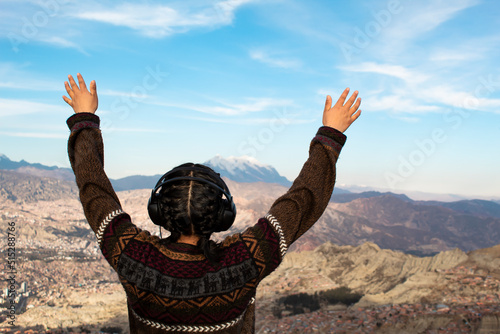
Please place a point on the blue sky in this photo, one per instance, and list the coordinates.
(185, 80)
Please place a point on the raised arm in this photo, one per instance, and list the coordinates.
(304, 203)
(86, 155)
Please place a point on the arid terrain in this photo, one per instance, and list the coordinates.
(71, 287)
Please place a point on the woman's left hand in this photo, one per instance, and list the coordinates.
(80, 99)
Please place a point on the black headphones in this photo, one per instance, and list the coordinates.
(227, 213)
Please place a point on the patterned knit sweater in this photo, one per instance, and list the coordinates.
(173, 288)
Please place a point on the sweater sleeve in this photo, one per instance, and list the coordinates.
(86, 155)
(303, 204)
(113, 227)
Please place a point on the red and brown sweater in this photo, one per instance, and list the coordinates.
(173, 288)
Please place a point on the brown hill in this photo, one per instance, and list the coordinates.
(64, 174)
(394, 223)
(21, 187)
(382, 275)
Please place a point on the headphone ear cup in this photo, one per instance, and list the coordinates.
(226, 215)
(154, 210)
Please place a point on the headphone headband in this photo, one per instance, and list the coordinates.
(228, 210)
(216, 176)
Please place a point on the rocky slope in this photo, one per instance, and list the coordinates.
(381, 275)
(20, 187)
(68, 294)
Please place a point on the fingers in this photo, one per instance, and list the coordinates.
(356, 105)
(68, 100)
(81, 82)
(355, 116)
(328, 103)
(68, 89)
(351, 100)
(72, 82)
(93, 88)
(343, 96)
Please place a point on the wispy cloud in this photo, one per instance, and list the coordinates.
(39, 85)
(18, 76)
(425, 16)
(65, 24)
(454, 55)
(396, 71)
(14, 107)
(63, 43)
(418, 92)
(415, 20)
(135, 130)
(158, 20)
(291, 119)
(398, 104)
(41, 135)
(109, 92)
(274, 61)
(449, 96)
(253, 105)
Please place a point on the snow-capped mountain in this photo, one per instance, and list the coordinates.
(246, 169)
(239, 169)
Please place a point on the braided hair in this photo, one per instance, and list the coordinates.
(191, 207)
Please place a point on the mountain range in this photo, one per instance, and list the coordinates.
(240, 169)
(392, 221)
(246, 169)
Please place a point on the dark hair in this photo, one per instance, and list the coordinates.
(191, 207)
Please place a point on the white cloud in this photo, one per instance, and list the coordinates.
(63, 43)
(265, 58)
(420, 93)
(41, 135)
(109, 92)
(460, 99)
(19, 76)
(425, 99)
(254, 105)
(111, 128)
(453, 52)
(424, 16)
(36, 85)
(158, 20)
(397, 104)
(415, 20)
(13, 107)
(254, 121)
(454, 56)
(396, 71)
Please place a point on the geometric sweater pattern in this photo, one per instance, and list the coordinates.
(173, 287)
